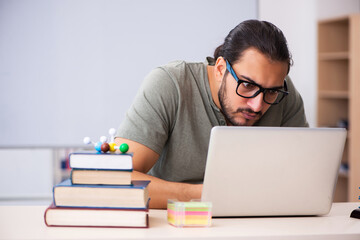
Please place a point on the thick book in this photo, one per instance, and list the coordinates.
(96, 160)
(98, 176)
(134, 196)
(95, 217)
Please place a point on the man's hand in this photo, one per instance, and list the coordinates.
(159, 190)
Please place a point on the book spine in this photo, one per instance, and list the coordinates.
(45, 213)
(71, 178)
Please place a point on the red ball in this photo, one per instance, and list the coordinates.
(105, 147)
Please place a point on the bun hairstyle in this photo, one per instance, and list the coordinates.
(262, 35)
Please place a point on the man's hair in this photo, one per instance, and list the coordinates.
(262, 35)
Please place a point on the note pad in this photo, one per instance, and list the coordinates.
(189, 214)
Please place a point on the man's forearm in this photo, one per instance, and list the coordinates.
(160, 190)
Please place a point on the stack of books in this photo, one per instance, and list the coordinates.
(99, 193)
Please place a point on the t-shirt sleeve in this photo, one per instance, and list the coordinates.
(294, 113)
(151, 116)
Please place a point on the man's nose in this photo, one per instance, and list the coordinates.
(257, 103)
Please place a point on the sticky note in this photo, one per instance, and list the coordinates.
(189, 214)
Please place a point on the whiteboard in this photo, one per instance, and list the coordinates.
(71, 68)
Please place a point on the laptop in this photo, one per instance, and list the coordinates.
(272, 171)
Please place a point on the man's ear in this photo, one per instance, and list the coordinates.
(220, 68)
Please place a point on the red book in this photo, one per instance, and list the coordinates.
(96, 217)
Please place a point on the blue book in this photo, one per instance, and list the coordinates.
(96, 160)
(134, 196)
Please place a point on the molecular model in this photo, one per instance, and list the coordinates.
(104, 146)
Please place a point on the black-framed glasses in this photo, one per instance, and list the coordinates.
(247, 89)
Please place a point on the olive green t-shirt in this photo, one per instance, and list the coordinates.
(173, 114)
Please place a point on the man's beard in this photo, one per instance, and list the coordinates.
(229, 114)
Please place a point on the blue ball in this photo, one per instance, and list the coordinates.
(98, 146)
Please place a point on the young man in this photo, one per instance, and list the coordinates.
(168, 126)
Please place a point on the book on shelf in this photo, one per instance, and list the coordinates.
(95, 217)
(96, 160)
(98, 176)
(131, 196)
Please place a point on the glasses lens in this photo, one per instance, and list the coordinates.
(246, 89)
(271, 96)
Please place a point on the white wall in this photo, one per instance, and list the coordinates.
(298, 21)
(26, 173)
(71, 68)
(335, 8)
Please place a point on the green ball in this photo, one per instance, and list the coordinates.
(124, 148)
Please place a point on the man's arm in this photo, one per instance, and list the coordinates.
(159, 190)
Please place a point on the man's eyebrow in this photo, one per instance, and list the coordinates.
(252, 81)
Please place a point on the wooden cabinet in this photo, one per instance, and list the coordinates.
(339, 93)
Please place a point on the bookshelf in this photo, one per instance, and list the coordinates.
(339, 94)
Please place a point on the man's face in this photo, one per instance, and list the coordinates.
(258, 68)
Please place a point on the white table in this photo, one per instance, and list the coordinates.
(27, 222)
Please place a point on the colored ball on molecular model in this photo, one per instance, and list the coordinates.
(87, 140)
(105, 147)
(112, 131)
(98, 146)
(124, 148)
(103, 139)
(112, 147)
